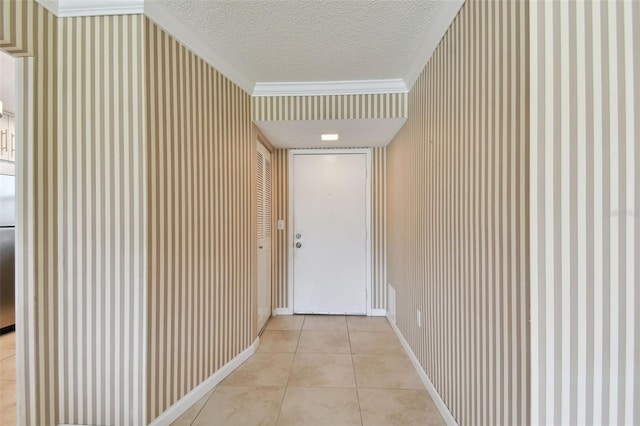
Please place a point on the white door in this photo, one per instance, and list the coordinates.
(330, 233)
(264, 234)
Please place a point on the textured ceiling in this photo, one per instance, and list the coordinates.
(295, 40)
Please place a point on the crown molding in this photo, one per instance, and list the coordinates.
(318, 88)
(70, 8)
(439, 27)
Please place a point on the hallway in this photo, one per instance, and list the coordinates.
(320, 370)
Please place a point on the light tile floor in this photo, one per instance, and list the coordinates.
(320, 370)
(7, 379)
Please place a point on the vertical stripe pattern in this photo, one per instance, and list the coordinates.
(16, 33)
(100, 220)
(585, 239)
(280, 245)
(81, 352)
(330, 107)
(36, 224)
(202, 220)
(457, 194)
(378, 228)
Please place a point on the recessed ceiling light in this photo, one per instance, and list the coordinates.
(330, 137)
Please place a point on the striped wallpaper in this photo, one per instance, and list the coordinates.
(99, 179)
(85, 176)
(16, 33)
(378, 228)
(329, 107)
(81, 353)
(36, 219)
(585, 238)
(279, 243)
(202, 232)
(457, 207)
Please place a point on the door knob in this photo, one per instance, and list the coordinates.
(298, 245)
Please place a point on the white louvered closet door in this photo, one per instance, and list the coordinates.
(264, 234)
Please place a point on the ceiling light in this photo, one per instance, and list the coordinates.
(330, 137)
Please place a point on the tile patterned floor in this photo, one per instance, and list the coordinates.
(324, 371)
(7, 379)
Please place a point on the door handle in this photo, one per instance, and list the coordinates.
(298, 245)
(260, 247)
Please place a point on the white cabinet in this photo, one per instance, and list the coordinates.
(8, 138)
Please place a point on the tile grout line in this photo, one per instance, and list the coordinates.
(355, 378)
(286, 386)
(203, 405)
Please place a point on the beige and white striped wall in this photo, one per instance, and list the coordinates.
(16, 34)
(279, 241)
(98, 178)
(379, 228)
(330, 107)
(202, 229)
(36, 220)
(81, 203)
(585, 205)
(457, 209)
(109, 167)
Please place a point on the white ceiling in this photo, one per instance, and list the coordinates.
(353, 133)
(305, 41)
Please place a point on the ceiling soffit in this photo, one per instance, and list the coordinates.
(331, 107)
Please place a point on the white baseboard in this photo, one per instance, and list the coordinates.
(282, 311)
(435, 396)
(289, 311)
(179, 408)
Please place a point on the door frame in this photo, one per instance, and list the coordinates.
(261, 141)
(290, 240)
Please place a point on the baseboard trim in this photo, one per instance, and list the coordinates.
(171, 414)
(435, 396)
(289, 311)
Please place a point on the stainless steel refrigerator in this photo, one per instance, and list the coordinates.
(7, 252)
